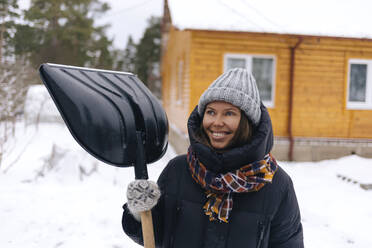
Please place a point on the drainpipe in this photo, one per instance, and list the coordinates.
(291, 89)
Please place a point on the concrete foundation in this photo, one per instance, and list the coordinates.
(316, 149)
(178, 140)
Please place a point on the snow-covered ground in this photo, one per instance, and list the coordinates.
(336, 213)
(48, 200)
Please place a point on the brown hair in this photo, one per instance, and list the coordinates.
(242, 135)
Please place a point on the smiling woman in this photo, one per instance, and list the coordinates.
(228, 191)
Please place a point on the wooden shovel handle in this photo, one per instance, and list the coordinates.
(147, 229)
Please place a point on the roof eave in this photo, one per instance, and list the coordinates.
(277, 34)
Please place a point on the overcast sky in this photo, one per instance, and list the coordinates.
(127, 17)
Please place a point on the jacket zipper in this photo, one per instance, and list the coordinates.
(261, 229)
(178, 209)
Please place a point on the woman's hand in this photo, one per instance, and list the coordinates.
(142, 196)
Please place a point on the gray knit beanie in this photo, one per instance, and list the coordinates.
(238, 87)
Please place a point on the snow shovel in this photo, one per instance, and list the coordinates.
(113, 116)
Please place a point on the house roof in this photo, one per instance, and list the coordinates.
(336, 18)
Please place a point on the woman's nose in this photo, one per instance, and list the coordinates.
(218, 121)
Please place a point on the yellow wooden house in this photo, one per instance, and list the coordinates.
(315, 77)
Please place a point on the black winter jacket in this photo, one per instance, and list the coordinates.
(267, 218)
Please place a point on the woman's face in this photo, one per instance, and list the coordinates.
(220, 122)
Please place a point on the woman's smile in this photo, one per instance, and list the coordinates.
(219, 134)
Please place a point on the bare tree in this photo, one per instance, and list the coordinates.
(14, 80)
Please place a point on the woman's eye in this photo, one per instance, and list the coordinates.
(210, 112)
(229, 113)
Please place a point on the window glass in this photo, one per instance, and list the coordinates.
(262, 70)
(235, 63)
(358, 82)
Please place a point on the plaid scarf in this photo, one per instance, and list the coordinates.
(219, 187)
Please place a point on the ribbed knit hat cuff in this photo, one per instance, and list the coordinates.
(236, 97)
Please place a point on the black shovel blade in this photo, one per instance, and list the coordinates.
(104, 110)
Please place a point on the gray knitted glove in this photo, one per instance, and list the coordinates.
(142, 195)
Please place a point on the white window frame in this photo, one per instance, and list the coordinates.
(367, 104)
(248, 59)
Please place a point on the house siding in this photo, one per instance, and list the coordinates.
(320, 79)
(176, 100)
(208, 50)
(321, 71)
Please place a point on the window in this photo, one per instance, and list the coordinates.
(359, 94)
(262, 68)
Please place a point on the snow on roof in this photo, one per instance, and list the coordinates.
(337, 18)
